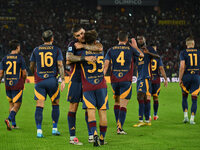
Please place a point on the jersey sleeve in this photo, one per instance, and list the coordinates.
(23, 64)
(182, 56)
(107, 57)
(60, 56)
(135, 52)
(33, 56)
(71, 48)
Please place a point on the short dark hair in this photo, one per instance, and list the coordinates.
(122, 35)
(13, 44)
(47, 35)
(90, 36)
(76, 28)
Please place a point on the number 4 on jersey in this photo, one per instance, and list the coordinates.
(120, 58)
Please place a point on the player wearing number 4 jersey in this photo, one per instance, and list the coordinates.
(189, 77)
(15, 74)
(121, 58)
(45, 60)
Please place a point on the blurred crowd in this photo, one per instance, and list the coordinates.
(26, 20)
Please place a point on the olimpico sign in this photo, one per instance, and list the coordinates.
(128, 2)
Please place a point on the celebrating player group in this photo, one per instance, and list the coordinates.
(87, 82)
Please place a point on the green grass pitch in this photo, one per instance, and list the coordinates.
(167, 133)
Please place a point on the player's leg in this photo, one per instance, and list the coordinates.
(155, 93)
(116, 96)
(141, 96)
(102, 106)
(185, 92)
(125, 95)
(92, 125)
(194, 89)
(103, 125)
(39, 117)
(74, 97)
(54, 93)
(147, 101)
(40, 97)
(55, 116)
(16, 103)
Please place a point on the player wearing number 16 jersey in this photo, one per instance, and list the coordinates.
(189, 77)
(121, 58)
(15, 74)
(45, 60)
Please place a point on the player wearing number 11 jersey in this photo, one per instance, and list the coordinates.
(45, 60)
(121, 59)
(189, 77)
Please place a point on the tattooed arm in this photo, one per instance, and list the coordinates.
(62, 74)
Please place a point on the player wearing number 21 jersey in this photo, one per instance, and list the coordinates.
(189, 77)
(15, 74)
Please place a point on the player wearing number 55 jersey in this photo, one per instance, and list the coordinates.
(45, 60)
(121, 58)
(189, 77)
(15, 74)
(94, 89)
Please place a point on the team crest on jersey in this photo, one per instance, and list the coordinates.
(70, 49)
(96, 81)
(120, 74)
(11, 83)
(45, 75)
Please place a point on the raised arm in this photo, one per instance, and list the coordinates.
(181, 71)
(152, 54)
(162, 70)
(32, 66)
(134, 45)
(62, 74)
(106, 65)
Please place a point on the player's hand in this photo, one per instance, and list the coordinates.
(90, 58)
(133, 43)
(180, 83)
(78, 45)
(165, 83)
(145, 50)
(62, 85)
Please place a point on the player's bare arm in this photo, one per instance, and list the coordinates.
(134, 45)
(62, 74)
(181, 71)
(1, 75)
(71, 58)
(93, 47)
(24, 74)
(106, 65)
(162, 70)
(32, 66)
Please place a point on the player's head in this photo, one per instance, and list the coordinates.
(78, 33)
(14, 45)
(122, 36)
(47, 36)
(141, 41)
(90, 36)
(154, 46)
(190, 42)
